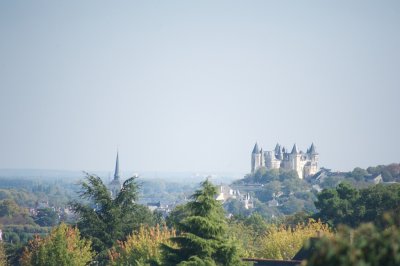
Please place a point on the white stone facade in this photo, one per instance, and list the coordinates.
(305, 164)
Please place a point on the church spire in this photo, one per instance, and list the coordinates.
(116, 173)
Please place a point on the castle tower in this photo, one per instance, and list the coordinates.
(255, 159)
(314, 157)
(313, 153)
(262, 158)
(295, 161)
(305, 164)
(115, 185)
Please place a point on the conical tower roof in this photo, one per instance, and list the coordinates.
(256, 149)
(295, 150)
(277, 148)
(312, 149)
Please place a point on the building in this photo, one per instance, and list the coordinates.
(305, 164)
(226, 193)
(115, 185)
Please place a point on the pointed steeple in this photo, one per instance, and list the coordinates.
(295, 150)
(312, 149)
(256, 149)
(116, 173)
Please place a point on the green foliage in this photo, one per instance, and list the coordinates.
(236, 207)
(297, 218)
(142, 247)
(247, 233)
(389, 172)
(269, 190)
(283, 242)
(109, 219)
(12, 214)
(350, 206)
(263, 176)
(46, 217)
(8, 208)
(63, 246)
(202, 239)
(292, 193)
(177, 215)
(366, 245)
(3, 255)
(16, 234)
(358, 174)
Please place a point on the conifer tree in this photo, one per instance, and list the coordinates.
(202, 239)
(106, 219)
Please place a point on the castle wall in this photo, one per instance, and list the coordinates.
(256, 162)
(305, 164)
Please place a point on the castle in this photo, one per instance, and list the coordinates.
(305, 164)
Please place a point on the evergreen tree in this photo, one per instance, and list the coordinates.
(202, 239)
(108, 219)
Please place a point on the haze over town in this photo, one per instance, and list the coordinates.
(184, 86)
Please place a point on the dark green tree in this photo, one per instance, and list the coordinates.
(46, 217)
(108, 219)
(348, 205)
(358, 174)
(366, 245)
(202, 239)
(337, 205)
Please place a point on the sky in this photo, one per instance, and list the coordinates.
(192, 85)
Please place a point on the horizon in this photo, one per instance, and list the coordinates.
(190, 87)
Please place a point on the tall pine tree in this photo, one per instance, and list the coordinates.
(202, 239)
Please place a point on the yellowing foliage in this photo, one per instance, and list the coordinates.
(62, 247)
(142, 246)
(3, 256)
(284, 242)
(246, 238)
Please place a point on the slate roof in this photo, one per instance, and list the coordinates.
(256, 149)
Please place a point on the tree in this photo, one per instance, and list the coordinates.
(366, 245)
(337, 205)
(177, 215)
(284, 242)
(202, 239)
(46, 217)
(63, 246)
(8, 208)
(347, 205)
(3, 256)
(109, 219)
(142, 247)
(358, 173)
(269, 190)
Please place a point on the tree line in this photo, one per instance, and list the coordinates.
(359, 226)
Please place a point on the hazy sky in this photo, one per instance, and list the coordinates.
(191, 85)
